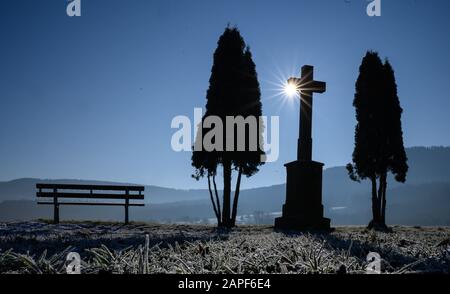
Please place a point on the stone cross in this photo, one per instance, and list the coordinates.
(306, 86)
(303, 209)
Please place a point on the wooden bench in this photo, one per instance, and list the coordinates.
(89, 192)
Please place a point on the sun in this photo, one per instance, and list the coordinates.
(291, 89)
(285, 89)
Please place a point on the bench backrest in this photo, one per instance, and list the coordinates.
(79, 191)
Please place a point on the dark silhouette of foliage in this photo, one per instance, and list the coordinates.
(378, 136)
(233, 91)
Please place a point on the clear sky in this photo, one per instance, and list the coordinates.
(92, 97)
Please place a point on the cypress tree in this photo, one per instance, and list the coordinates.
(233, 91)
(378, 134)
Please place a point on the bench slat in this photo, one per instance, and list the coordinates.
(89, 196)
(90, 187)
(92, 204)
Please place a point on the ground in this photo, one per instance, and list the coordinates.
(40, 247)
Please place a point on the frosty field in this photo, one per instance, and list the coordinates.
(39, 247)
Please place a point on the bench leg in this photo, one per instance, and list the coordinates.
(56, 214)
(55, 207)
(127, 202)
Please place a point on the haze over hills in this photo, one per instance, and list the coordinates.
(423, 200)
(24, 189)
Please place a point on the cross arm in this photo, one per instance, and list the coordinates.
(314, 87)
(308, 86)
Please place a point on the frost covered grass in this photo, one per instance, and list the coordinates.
(39, 247)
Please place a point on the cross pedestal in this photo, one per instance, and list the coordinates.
(303, 209)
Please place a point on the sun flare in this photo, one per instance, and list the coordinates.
(291, 89)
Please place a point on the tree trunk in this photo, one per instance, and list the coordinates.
(380, 198)
(218, 202)
(383, 201)
(236, 198)
(212, 201)
(379, 204)
(226, 221)
(375, 203)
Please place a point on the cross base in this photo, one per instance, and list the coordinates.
(303, 209)
(301, 224)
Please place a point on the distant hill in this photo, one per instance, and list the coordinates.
(423, 200)
(25, 189)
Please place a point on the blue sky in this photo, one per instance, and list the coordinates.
(92, 97)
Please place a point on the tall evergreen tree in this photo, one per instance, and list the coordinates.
(233, 91)
(378, 135)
